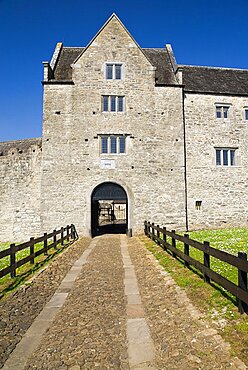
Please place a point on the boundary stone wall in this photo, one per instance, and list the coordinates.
(20, 176)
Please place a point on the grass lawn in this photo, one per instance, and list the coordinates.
(231, 241)
(8, 284)
(215, 302)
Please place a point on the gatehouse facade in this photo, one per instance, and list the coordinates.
(129, 135)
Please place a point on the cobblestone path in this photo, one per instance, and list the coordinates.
(123, 309)
(18, 310)
(89, 332)
(182, 340)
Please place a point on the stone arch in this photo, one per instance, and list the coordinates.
(109, 189)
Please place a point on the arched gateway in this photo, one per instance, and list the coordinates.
(109, 209)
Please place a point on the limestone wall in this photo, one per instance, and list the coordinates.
(20, 165)
(222, 189)
(152, 169)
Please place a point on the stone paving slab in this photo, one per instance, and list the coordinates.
(138, 331)
(138, 350)
(135, 310)
(141, 351)
(131, 286)
(133, 299)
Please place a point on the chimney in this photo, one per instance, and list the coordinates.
(179, 75)
(48, 73)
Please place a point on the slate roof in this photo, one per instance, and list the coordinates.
(20, 145)
(63, 71)
(215, 80)
(195, 78)
(159, 58)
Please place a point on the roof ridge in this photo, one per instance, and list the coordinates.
(155, 48)
(214, 67)
(74, 47)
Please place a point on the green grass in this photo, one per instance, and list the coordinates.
(8, 284)
(231, 241)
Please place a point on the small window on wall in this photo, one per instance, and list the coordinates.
(222, 111)
(113, 144)
(112, 103)
(198, 204)
(225, 157)
(246, 114)
(114, 71)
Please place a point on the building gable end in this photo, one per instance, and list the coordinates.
(112, 18)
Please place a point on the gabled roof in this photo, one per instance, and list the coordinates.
(113, 16)
(215, 80)
(158, 58)
(194, 78)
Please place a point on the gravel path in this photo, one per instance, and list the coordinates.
(19, 309)
(89, 332)
(182, 340)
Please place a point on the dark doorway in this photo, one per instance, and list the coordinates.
(109, 209)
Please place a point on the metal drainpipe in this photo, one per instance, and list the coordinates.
(185, 163)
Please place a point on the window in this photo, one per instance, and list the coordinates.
(122, 144)
(113, 144)
(246, 114)
(114, 71)
(198, 204)
(104, 144)
(222, 111)
(225, 157)
(112, 103)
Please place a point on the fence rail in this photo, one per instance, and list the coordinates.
(67, 234)
(240, 291)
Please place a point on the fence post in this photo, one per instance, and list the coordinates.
(164, 237)
(67, 233)
(173, 242)
(12, 260)
(153, 232)
(158, 236)
(31, 245)
(186, 250)
(45, 244)
(73, 234)
(242, 283)
(148, 229)
(54, 239)
(206, 262)
(145, 228)
(62, 236)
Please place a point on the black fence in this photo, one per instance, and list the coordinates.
(65, 234)
(159, 235)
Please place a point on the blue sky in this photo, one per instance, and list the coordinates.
(209, 32)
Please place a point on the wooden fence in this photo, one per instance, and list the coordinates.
(67, 234)
(159, 235)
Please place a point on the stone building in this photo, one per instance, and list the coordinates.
(127, 129)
